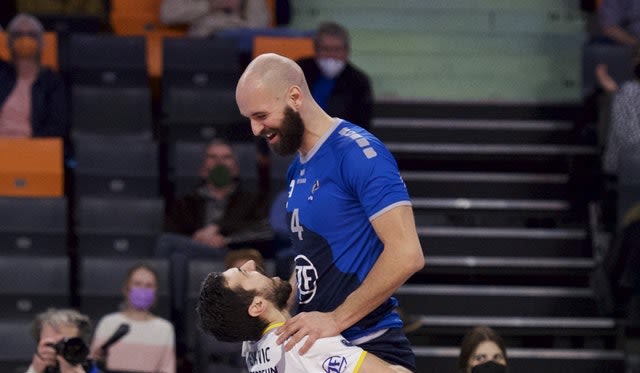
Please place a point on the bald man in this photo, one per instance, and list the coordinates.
(350, 216)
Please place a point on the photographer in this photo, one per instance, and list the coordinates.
(62, 336)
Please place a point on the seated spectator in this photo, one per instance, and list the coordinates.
(206, 17)
(52, 327)
(32, 97)
(339, 87)
(245, 305)
(149, 346)
(482, 351)
(218, 214)
(620, 21)
(623, 139)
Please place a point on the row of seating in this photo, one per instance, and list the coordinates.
(31, 284)
(293, 44)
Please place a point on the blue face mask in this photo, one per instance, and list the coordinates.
(489, 367)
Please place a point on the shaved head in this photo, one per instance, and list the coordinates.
(271, 73)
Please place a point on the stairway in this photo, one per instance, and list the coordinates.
(505, 236)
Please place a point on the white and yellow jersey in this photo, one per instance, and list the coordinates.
(327, 355)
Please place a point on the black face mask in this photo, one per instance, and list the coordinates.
(220, 176)
(489, 367)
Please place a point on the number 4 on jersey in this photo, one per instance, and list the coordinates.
(295, 223)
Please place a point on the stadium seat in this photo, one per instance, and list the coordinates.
(101, 281)
(17, 347)
(293, 47)
(118, 226)
(112, 111)
(116, 167)
(31, 284)
(31, 167)
(33, 226)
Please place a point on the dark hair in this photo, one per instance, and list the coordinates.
(57, 318)
(332, 29)
(223, 312)
(471, 341)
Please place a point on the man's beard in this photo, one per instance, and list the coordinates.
(280, 294)
(290, 133)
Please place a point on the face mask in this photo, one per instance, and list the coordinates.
(25, 47)
(489, 367)
(142, 298)
(330, 67)
(220, 176)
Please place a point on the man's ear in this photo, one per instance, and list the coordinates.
(295, 96)
(257, 307)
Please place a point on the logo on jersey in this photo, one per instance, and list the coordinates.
(306, 277)
(335, 364)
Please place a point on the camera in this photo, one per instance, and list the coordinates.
(73, 350)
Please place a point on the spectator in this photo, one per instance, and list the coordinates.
(244, 305)
(149, 345)
(624, 127)
(482, 351)
(620, 21)
(350, 217)
(218, 214)
(206, 17)
(32, 97)
(53, 327)
(339, 87)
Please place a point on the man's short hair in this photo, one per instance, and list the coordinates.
(224, 312)
(332, 29)
(57, 318)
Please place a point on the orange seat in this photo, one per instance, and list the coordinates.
(49, 49)
(31, 167)
(293, 47)
(137, 17)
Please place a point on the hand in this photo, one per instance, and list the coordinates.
(314, 325)
(203, 234)
(44, 357)
(604, 79)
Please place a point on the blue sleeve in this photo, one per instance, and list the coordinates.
(372, 174)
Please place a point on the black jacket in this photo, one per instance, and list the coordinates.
(352, 97)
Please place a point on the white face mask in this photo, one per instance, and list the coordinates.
(330, 67)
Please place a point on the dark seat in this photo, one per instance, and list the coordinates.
(33, 226)
(198, 89)
(31, 284)
(104, 59)
(118, 226)
(111, 111)
(17, 347)
(116, 167)
(110, 92)
(101, 281)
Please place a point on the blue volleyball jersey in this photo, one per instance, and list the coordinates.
(347, 180)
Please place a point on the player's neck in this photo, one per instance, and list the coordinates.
(316, 124)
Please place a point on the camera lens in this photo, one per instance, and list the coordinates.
(73, 350)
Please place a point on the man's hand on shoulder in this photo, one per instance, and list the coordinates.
(313, 325)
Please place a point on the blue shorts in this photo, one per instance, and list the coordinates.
(392, 347)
